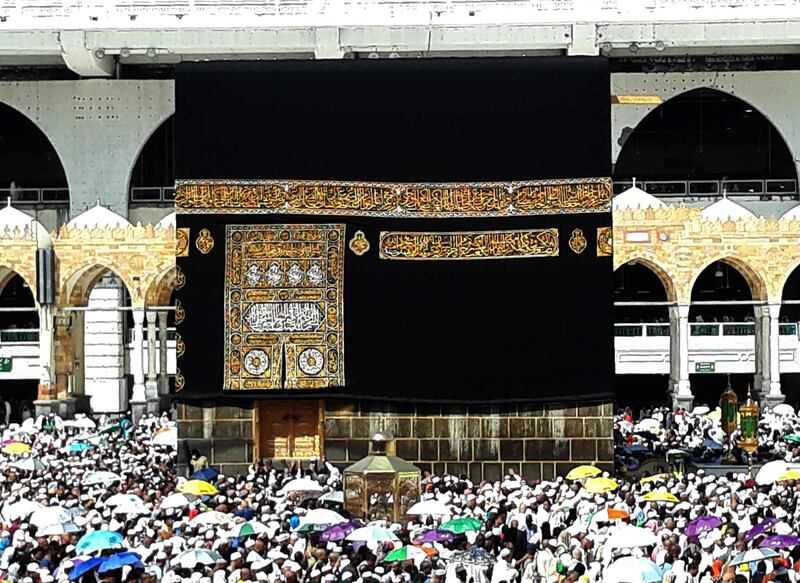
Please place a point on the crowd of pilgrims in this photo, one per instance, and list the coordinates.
(90, 501)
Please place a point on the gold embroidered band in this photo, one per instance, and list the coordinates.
(469, 244)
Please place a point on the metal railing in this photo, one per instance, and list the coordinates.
(781, 189)
(23, 196)
(625, 330)
(153, 194)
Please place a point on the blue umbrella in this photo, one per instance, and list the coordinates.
(97, 541)
(206, 474)
(120, 560)
(85, 567)
(636, 448)
(711, 444)
(76, 447)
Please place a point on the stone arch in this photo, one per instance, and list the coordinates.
(7, 274)
(161, 288)
(651, 264)
(710, 160)
(159, 123)
(753, 276)
(78, 285)
(38, 133)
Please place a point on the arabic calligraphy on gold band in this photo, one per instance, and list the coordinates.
(476, 199)
(469, 245)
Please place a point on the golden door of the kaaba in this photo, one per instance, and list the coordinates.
(288, 429)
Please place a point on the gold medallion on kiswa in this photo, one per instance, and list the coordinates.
(469, 244)
(284, 325)
(478, 199)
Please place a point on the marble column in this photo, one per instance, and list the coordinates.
(152, 382)
(137, 357)
(163, 374)
(772, 394)
(679, 357)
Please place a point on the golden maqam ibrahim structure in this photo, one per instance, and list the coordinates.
(98, 258)
(678, 244)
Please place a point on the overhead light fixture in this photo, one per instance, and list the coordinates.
(633, 47)
(151, 52)
(718, 272)
(100, 54)
(632, 262)
(606, 47)
(125, 53)
(660, 46)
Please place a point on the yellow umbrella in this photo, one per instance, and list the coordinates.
(660, 497)
(582, 472)
(789, 475)
(600, 485)
(197, 488)
(655, 478)
(716, 415)
(17, 448)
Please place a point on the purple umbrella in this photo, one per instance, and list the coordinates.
(337, 532)
(702, 525)
(779, 541)
(436, 536)
(760, 528)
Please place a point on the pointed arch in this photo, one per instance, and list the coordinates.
(754, 278)
(79, 284)
(660, 272)
(710, 124)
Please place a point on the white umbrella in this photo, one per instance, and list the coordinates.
(168, 436)
(58, 529)
(20, 510)
(752, 556)
(333, 497)
(50, 515)
(632, 570)
(100, 477)
(28, 464)
(177, 500)
(429, 508)
(628, 537)
(211, 517)
(784, 409)
(118, 499)
(85, 423)
(322, 517)
(301, 485)
(649, 424)
(372, 534)
(191, 558)
(131, 508)
(700, 410)
(771, 472)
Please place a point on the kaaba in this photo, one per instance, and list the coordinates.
(416, 247)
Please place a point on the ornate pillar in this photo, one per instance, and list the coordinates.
(137, 357)
(46, 347)
(679, 357)
(761, 376)
(772, 392)
(152, 381)
(163, 374)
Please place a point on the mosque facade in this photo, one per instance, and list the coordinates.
(103, 102)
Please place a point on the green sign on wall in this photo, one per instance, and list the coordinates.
(703, 367)
(5, 364)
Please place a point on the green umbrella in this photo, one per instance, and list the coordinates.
(461, 525)
(406, 553)
(793, 437)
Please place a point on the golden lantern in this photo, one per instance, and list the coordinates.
(749, 414)
(727, 407)
(380, 486)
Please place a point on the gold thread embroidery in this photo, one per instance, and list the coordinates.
(605, 242)
(577, 242)
(395, 200)
(180, 278)
(182, 242)
(204, 242)
(180, 346)
(469, 244)
(359, 243)
(283, 307)
(180, 313)
(179, 380)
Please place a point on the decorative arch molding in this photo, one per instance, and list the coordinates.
(756, 281)
(772, 93)
(653, 265)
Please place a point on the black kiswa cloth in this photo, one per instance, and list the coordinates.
(466, 331)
